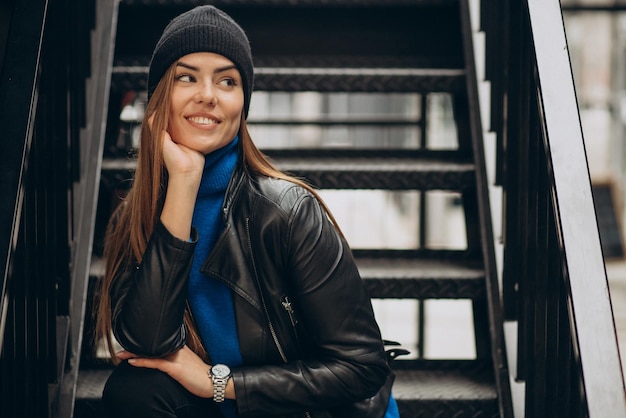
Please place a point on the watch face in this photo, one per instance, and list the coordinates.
(220, 371)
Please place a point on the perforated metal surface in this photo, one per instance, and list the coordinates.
(191, 3)
(439, 389)
(91, 383)
(389, 80)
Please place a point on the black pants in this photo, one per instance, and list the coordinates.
(133, 392)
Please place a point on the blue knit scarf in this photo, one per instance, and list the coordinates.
(210, 300)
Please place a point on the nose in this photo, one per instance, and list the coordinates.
(206, 93)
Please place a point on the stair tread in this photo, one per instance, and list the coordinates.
(406, 278)
(293, 79)
(392, 268)
(374, 268)
(337, 72)
(381, 173)
(421, 279)
(371, 165)
(356, 173)
(91, 383)
(432, 385)
(160, 3)
(409, 385)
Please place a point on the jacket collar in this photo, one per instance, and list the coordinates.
(228, 261)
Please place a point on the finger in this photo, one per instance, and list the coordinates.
(149, 363)
(123, 355)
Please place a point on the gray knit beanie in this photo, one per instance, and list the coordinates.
(203, 29)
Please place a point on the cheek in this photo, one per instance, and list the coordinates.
(174, 127)
(178, 99)
(235, 124)
(174, 107)
(175, 110)
(234, 104)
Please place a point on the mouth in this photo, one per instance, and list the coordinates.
(202, 120)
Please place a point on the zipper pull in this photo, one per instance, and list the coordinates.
(287, 304)
(289, 308)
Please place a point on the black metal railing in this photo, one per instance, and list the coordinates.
(34, 229)
(44, 163)
(554, 281)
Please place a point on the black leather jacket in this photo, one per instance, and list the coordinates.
(306, 329)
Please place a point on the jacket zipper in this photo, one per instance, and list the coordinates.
(267, 315)
(292, 318)
(285, 302)
(289, 308)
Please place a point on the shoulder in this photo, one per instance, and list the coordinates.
(282, 193)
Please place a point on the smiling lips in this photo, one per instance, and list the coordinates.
(202, 120)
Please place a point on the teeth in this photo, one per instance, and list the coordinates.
(202, 120)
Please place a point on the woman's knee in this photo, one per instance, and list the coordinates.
(135, 392)
(132, 392)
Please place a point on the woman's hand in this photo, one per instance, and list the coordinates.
(178, 158)
(184, 167)
(181, 160)
(184, 366)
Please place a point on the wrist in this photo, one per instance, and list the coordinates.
(184, 182)
(177, 212)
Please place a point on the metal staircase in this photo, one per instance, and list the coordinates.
(416, 49)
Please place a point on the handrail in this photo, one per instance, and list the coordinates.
(554, 279)
(18, 98)
(592, 316)
(48, 184)
(33, 221)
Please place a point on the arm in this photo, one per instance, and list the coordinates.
(148, 300)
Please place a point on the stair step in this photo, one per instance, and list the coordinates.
(385, 80)
(291, 3)
(445, 393)
(89, 392)
(405, 278)
(422, 388)
(314, 33)
(405, 171)
(381, 173)
(421, 279)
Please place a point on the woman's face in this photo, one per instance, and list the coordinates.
(206, 102)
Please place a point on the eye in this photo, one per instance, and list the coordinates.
(228, 82)
(185, 78)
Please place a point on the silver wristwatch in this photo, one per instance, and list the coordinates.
(220, 373)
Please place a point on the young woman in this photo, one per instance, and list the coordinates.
(228, 282)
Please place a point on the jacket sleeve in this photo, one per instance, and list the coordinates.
(148, 300)
(350, 362)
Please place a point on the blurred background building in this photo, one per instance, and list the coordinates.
(596, 32)
(596, 35)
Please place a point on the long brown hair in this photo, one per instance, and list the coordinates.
(134, 220)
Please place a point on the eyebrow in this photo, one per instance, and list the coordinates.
(217, 70)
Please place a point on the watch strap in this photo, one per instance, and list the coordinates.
(219, 383)
(219, 389)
